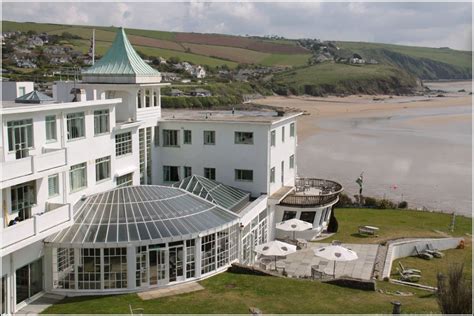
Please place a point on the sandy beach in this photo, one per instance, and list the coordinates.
(419, 144)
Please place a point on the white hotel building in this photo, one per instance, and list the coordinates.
(102, 194)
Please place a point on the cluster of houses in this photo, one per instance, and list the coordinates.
(27, 47)
(197, 71)
(198, 92)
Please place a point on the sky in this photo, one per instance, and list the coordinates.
(416, 23)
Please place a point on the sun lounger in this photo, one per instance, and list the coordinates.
(408, 271)
(409, 277)
(423, 254)
(434, 252)
(370, 230)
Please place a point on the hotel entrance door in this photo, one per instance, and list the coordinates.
(176, 269)
(157, 263)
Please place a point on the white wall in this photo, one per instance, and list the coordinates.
(11, 89)
(225, 155)
(282, 152)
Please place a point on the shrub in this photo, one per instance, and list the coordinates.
(385, 204)
(403, 204)
(344, 201)
(454, 295)
(370, 202)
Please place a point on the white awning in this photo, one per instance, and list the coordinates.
(125, 171)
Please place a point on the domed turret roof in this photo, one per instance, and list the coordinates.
(121, 64)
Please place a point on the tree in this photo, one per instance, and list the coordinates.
(454, 295)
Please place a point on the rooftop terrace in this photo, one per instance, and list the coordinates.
(265, 117)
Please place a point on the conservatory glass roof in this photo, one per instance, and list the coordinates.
(142, 214)
(215, 192)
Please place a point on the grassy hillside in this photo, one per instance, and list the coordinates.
(331, 78)
(207, 49)
(424, 62)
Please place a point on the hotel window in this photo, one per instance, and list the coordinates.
(125, 180)
(288, 215)
(292, 130)
(78, 177)
(115, 268)
(147, 99)
(89, 269)
(170, 174)
(243, 175)
(187, 171)
(243, 138)
(273, 138)
(157, 136)
(20, 136)
(53, 185)
(208, 253)
(209, 137)
(272, 175)
(21, 91)
(4, 295)
(141, 273)
(187, 137)
(139, 99)
(222, 248)
(292, 161)
(210, 173)
(101, 122)
(283, 134)
(29, 280)
(102, 168)
(190, 259)
(23, 196)
(123, 144)
(51, 128)
(63, 268)
(75, 125)
(155, 99)
(170, 138)
(307, 216)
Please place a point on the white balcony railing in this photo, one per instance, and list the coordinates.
(51, 158)
(38, 227)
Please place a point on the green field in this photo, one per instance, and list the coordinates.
(445, 55)
(330, 78)
(236, 293)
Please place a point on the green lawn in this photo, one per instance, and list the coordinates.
(234, 293)
(395, 224)
(431, 268)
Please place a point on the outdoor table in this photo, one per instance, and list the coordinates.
(371, 230)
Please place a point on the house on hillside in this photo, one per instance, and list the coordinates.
(357, 59)
(170, 76)
(198, 72)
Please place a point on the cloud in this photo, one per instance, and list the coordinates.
(421, 24)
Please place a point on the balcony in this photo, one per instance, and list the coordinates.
(55, 218)
(49, 159)
(311, 192)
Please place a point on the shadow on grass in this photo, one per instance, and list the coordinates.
(359, 235)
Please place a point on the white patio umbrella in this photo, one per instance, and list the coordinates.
(294, 225)
(336, 253)
(275, 248)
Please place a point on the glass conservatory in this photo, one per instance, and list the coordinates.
(137, 237)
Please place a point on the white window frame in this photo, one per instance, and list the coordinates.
(243, 138)
(187, 133)
(292, 130)
(283, 134)
(273, 138)
(80, 167)
(99, 162)
(50, 125)
(70, 117)
(170, 138)
(272, 174)
(209, 137)
(123, 144)
(56, 186)
(210, 171)
(239, 175)
(292, 161)
(99, 120)
(126, 180)
(167, 173)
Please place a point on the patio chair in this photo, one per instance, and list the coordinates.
(409, 277)
(434, 252)
(423, 254)
(408, 271)
(317, 272)
(302, 243)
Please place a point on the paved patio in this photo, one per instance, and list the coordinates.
(171, 290)
(40, 304)
(299, 263)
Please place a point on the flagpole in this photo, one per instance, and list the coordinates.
(93, 46)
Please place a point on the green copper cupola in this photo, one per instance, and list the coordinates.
(121, 64)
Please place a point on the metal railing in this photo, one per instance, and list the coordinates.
(329, 192)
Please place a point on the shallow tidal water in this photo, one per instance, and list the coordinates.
(422, 156)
